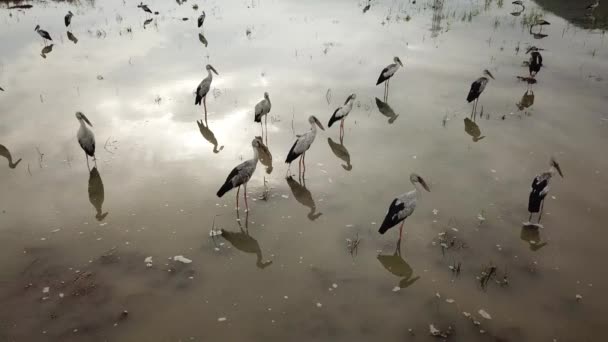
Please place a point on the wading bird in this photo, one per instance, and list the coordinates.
(45, 35)
(86, 138)
(536, 62)
(262, 108)
(145, 8)
(477, 88)
(341, 113)
(540, 189)
(593, 6)
(203, 89)
(7, 154)
(201, 19)
(387, 73)
(403, 206)
(240, 175)
(97, 193)
(68, 18)
(302, 145)
(527, 100)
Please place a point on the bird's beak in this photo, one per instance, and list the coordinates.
(557, 167)
(215, 71)
(423, 183)
(490, 74)
(86, 120)
(319, 124)
(399, 61)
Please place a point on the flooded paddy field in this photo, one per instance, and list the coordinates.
(137, 246)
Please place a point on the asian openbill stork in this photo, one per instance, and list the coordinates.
(403, 206)
(477, 88)
(262, 108)
(203, 89)
(302, 144)
(45, 35)
(201, 19)
(536, 62)
(86, 138)
(145, 8)
(68, 18)
(387, 73)
(540, 189)
(7, 154)
(341, 113)
(240, 175)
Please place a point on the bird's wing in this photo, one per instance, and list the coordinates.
(545, 191)
(475, 90)
(383, 75)
(201, 19)
(392, 216)
(334, 117)
(292, 155)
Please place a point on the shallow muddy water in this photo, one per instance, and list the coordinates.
(306, 262)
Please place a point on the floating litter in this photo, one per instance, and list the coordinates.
(484, 314)
(182, 259)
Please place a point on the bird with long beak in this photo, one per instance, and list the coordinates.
(203, 89)
(86, 138)
(7, 154)
(302, 144)
(341, 113)
(387, 73)
(201, 19)
(540, 189)
(403, 206)
(262, 108)
(240, 175)
(477, 88)
(45, 35)
(68, 18)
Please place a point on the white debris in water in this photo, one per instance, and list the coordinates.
(182, 259)
(455, 229)
(46, 289)
(435, 211)
(61, 295)
(434, 331)
(484, 314)
(450, 300)
(373, 223)
(553, 197)
(215, 232)
(396, 289)
(334, 285)
(55, 230)
(221, 319)
(148, 261)
(437, 295)
(319, 305)
(579, 297)
(43, 239)
(493, 171)
(466, 314)
(285, 297)
(349, 226)
(480, 217)
(284, 196)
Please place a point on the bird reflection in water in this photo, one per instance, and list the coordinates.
(397, 266)
(531, 235)
(386, 110)
(472, 129)
(96, 193)
(341, 152)
(527, 100)
(7, 154)
(264, 155)
(72, 37)
(303, 195)
(245, 243)
(147, 22)
(209, 136)
(519, 10)
(46, 50)
(202, 39)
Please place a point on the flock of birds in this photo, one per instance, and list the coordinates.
(401, 207)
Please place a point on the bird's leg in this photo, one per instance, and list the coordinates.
(530, 218)
(237, 199)
(300, 167)
(205, 106)
(401, 230)
(540, 214)
(388, 85)
(245, 197)
(266, 124)
(304, 165)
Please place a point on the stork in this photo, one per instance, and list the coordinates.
(86, 138)
(536, 62)
(68, 18)
(7, 154)
(302, 144)
(387, 73)
(240, 175)
(262, 108)
(540, 189)
(201, 19)
(203, 89)
(477, 88)
(341, 113)
(45, 35)
(145, 8)
(403, 206)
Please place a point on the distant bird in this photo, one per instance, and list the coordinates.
(85, 136)
(45, 35)
(68, 18)
(203, 89)
(342, 112)
(477, 88)
(201, 19)
(303, 143)
(472, 129)
(386, 110)
(387, 73)
(209, 136)
(533, 48)
(367, 7)
(240, 175)
(403, 206)
(145, 8)
(7, 154)
(303, 195)
(262, 108)
(97, 193)
(1, 89)
(202, 39)
(341, 152)
(593, 6)
(536, 62)
(540, 189)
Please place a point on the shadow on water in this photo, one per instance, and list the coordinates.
(397, 266)
(303, 195)
(341, 152)
(386, 110)
(531, 235)
(7, 154)
(242, 241)
(209, 136)
(97, 193)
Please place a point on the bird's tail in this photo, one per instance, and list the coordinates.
(224, 189)
(383, 229)
(257, 118)
(332, 120)
(197, 100)
(471, 97)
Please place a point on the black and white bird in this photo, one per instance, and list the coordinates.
(536, 62)
(240, 175)
(387, 73)
(68, 18)
(593, 6)
(7, 154)
(145, 8)
(45, 35)
(203, 89)
(303, 143)
(540, 189)
(341, 113)
(403, 206)
(201, 19)
(262, 108)
(477, 88)
(85, 136)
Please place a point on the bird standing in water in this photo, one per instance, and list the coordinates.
(536, 62)
(262, 108)
(477, 88)
(68, 18)
(201, 19)
(387, 73)
(403, 206)
(540, 189)
(203, 89)
(341, 113)
(240, 175)
(45, 35)
(302, 145)
(86, 138)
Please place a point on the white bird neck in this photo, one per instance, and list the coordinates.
(82, 123)
(209, 74)
(255, 154)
